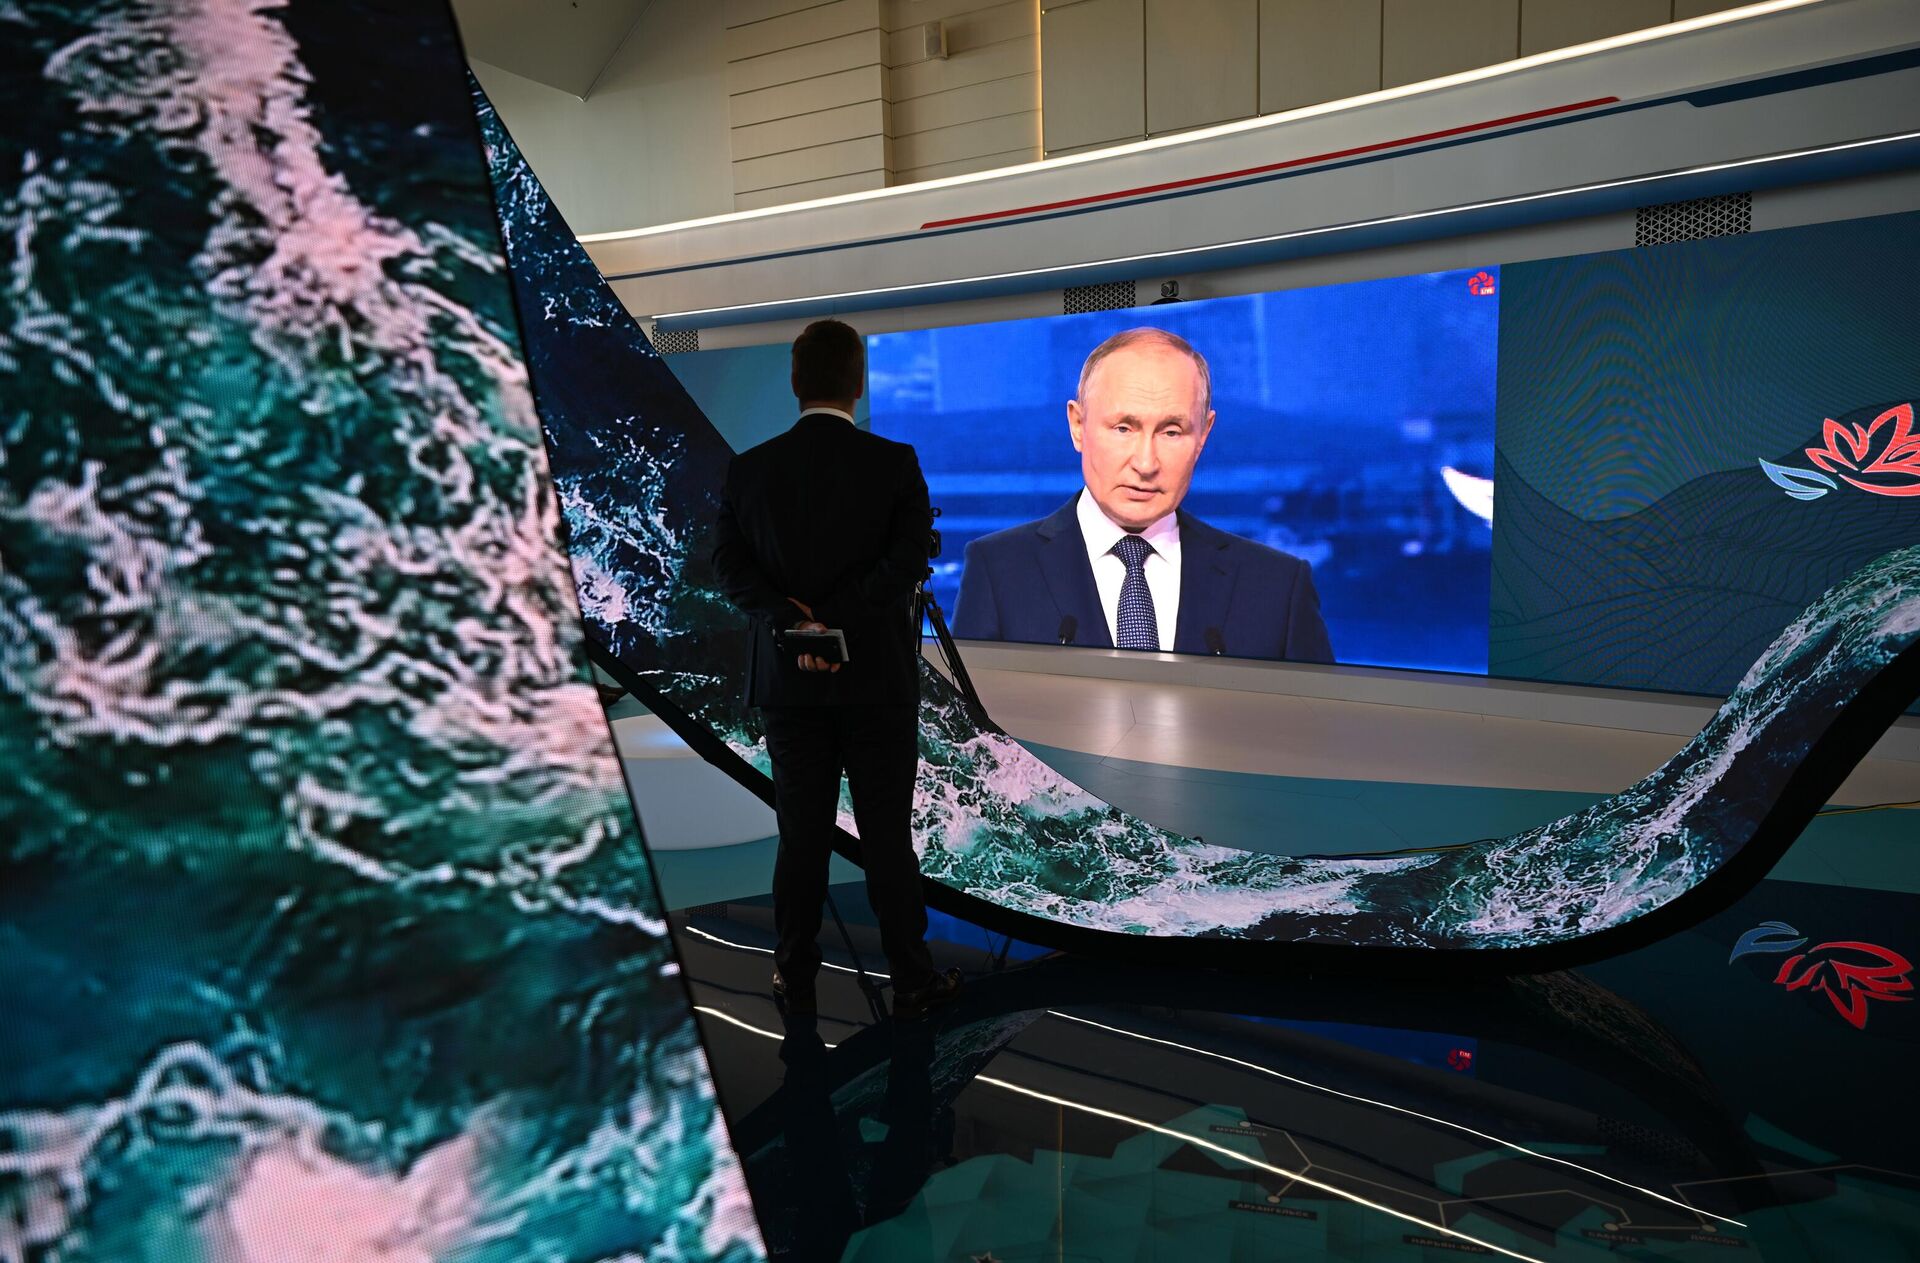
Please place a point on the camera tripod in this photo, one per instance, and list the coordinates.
(927, 617)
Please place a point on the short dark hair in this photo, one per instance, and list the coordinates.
(829, 362)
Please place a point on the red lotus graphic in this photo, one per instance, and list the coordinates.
(1847, 972)
(1460, 1058)
(1850, 974)
(1898, 459)
(1884, 454)
(1480, 283)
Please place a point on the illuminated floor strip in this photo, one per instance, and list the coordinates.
(1196, 1141)
(768, 951)
(1398, 1109)
(731, 1020)
(1319, 1087)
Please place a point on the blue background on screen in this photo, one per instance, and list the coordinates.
(1337, 408)
(746, 391)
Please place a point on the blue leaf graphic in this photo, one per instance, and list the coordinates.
(1801, 484)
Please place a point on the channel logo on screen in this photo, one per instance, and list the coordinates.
(1480, 284)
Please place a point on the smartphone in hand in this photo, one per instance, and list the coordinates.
(828, 645)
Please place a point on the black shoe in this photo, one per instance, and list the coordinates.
(910, 1005)
(794, 1001)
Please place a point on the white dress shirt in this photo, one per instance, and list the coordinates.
(1109, 572)
(831, 412)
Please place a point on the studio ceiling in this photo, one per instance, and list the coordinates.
(561, 43)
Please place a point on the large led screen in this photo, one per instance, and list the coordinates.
(327, 930)
(1696, 439)
(1336, 507)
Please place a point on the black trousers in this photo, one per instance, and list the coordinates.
(878, 749)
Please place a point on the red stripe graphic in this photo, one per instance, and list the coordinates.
(1271, 166)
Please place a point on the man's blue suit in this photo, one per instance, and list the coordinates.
(1023, 583)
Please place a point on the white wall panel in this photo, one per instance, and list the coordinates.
(826, 92)
(1317, 50)
(974, 27)
(964, 140)
(1092, 72)
(1550, 24)
(1683, 9)
(1202, 62)
(741, 12)
(846, 157)
(1010, 59)
(809, 61)
(783, 135)
(810, 83)
(966, 111)
(1424, 39)
(806, 190)
(965, 105)
(904, 13)
(807, 26)
(978, 162)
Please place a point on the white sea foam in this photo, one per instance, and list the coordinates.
(310, 274)
(186, 1093)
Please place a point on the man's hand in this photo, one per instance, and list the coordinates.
(810, 662)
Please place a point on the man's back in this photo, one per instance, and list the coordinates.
(837, 519)
(828, 525)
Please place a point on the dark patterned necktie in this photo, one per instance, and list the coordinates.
(1138, 628)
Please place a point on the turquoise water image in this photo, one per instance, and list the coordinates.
(328, 928)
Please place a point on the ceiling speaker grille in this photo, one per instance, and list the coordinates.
(1111, 296)
(675, 341)
(1729, 215)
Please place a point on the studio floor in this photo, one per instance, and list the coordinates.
(1669, 1104)
(1678, 1102)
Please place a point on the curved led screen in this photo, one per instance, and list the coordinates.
(327, 927)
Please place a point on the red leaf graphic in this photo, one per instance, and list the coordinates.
(1895, 469)
(1830, 456)
(1899, 460)
(1849, 984)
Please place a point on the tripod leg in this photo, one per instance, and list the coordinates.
(950, 652)
(868, 987)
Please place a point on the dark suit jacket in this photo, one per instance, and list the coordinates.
(836, 517)
(1023, 582)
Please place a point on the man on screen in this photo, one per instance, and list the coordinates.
(1121, 564)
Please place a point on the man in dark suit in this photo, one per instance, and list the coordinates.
(827, 526)
(1121, 564)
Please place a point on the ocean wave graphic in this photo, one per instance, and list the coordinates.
(309, 796)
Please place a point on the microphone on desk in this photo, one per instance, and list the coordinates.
(1068, 626)
(1216, 643)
